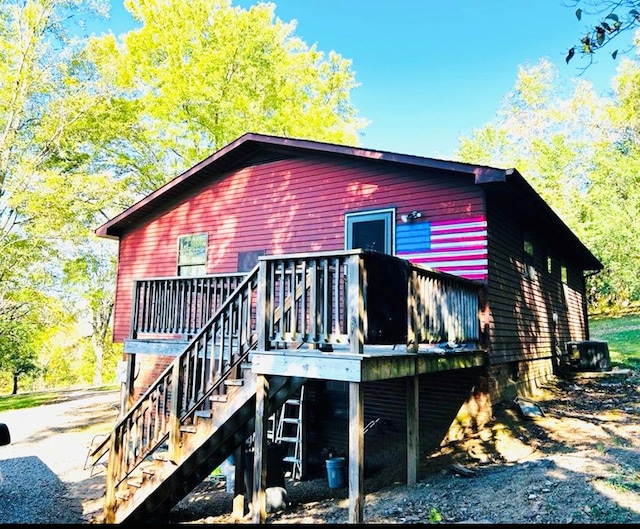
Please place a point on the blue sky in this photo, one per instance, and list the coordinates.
(432, 70)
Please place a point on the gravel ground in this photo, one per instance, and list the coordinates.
(578, 463)
(42, 474)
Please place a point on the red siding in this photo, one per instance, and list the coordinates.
(284, 207)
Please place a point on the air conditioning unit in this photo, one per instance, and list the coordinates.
(587, 355)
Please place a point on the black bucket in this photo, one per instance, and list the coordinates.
(275, 471)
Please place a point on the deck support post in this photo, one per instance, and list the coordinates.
(357, 325)
(238, 509)
(259, 499)
(413, 429)
(127, 385)
(356, 452)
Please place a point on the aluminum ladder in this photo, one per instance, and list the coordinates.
(289, 430)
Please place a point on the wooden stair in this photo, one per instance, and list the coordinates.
(197, 412)
(160, 483)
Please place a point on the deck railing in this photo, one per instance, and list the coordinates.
(213, 355)
(178, 305)
(350, 298)
(442, 308)
(357, 298)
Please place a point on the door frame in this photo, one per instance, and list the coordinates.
(386, 214)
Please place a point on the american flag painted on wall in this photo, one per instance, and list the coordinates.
(454, 246)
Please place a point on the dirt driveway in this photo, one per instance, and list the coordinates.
(578, 463)
(42, 474)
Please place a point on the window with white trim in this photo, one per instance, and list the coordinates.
(192, 254)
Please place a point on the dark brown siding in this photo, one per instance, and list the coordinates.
(452, 405)
(284, 207)
(520, 310)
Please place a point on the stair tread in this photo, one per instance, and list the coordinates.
(188, 428)
(142, 477)
(288, 439)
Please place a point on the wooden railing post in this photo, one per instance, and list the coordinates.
(113, 471)
(264, 306)
(355, 304)
(135, 311)
(174, 417)
(413, 321)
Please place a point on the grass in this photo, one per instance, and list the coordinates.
(39, 398)
(622, 333)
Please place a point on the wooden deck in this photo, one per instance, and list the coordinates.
(376, 363)
(293, 318)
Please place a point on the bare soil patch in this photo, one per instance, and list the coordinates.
(577, 462)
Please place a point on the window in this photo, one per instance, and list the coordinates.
(563, 272)
(549, 262)
(372, 230)
(563, 277)
(192, 254)
(247, 260)
(529, 268)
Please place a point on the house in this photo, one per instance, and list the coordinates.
(401, 292)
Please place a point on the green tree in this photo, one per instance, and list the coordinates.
(18, 349)
(89, 125)
(93, 274)
(579, 151)
(608, 19)
(196, 75)
(49, 200)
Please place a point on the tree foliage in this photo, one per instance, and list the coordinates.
(19, 340)
(580, 152)
(196, 75)
(607, 20)
(90, 124)
(49, 200)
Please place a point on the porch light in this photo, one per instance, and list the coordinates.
(410, 216)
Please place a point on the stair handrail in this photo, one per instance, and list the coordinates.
(133, 447)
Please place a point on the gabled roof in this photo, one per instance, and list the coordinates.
(252, 148)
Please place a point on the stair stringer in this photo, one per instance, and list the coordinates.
(215, 439)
